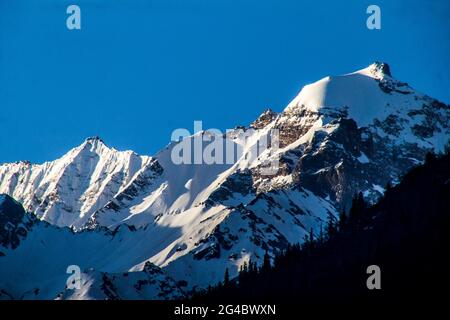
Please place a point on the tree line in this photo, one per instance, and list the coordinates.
(406, 233)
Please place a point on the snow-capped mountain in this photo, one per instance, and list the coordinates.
(339, 136)
(66, 192)
(358, 132)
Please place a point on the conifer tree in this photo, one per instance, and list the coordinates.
(331, 225)
(342, 220)
(357, 209)
(311, 236)
(226, 280)
(430, 157)
(266, 262)
(245, 267)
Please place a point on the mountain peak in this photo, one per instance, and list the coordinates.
(368, 94)
(94, 139)
(94, 144)
(264, 119)
(380, 69)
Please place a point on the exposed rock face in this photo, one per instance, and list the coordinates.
(150, 283)
(356, 132)
(240, 183)
(264, 119)
(14, 224)
(381, 69)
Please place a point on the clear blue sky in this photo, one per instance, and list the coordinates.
(139, 69)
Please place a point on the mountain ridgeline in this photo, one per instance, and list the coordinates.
(147, 227)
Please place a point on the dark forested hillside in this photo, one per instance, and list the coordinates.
(406, 234)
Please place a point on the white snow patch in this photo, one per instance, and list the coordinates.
(378, 188)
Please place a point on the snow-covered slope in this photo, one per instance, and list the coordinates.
(150, 283)
(357, 132)
(370, 96)
(66, 192)
(34, 257)
(339, 136)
